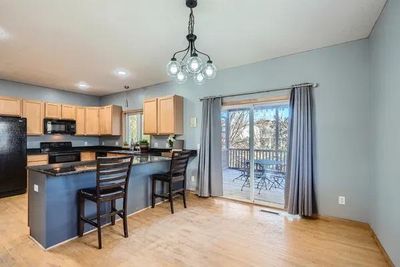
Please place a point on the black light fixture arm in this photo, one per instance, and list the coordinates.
(191, 37)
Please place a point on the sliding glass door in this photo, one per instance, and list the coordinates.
(254, 152)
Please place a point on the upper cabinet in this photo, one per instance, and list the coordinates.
(80, 120)
(92, 126)
(163, 115)
(68, 112)
(94, 121)
(110, 120)
(33, 111)
(52, 110)
(10, 106)
(150, 114)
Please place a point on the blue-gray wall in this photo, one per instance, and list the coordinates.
(342, 126)
(385, 160)
(25, 91)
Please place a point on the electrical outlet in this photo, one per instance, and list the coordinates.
(156, 144)
(116, 143)
(193, 178)
(102, 143)
(198, 146)
(35, 188)
(342, 200)
(85, 143)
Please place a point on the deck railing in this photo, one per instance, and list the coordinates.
(237, 157)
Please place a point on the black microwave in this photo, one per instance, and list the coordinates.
(52, 126)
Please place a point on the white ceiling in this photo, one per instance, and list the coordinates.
(58, 43)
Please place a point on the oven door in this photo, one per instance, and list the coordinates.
(64, 157)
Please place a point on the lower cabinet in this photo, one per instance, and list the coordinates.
(87, 156)
(36, 160)
(114, 155)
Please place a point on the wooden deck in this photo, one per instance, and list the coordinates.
(233, 189)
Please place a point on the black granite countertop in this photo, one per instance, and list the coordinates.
(71, 168)
(113, 149)
(36, 151)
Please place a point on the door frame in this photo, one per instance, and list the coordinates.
(251, 107)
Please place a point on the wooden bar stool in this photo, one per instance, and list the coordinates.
(111, 184)
(176, 174)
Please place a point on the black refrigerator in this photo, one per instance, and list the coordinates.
(12, 156)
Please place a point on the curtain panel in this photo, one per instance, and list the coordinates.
(210, 162)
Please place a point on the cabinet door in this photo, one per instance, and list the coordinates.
(105, 120)
(68, 112)
(33, 111)
(10, 106)
(150, 116)
(53, 111)
(80, 121)
(86, 156)
(166, 122)
(92, 121)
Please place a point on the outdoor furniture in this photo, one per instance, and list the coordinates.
(268, 174)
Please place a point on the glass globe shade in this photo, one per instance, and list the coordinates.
(199, 78)
(181, 77)
(210, 71)
(194, 64)
(173, 68)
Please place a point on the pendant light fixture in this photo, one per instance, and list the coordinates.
(191, 64)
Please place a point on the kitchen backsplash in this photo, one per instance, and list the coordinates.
(34, 141)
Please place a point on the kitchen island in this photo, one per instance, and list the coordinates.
(52, 195)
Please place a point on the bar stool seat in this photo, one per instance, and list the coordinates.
(111, 192)
(112, 181)
(176, 174)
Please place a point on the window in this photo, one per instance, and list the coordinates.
(134, 128)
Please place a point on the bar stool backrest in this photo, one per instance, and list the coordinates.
(113, 173)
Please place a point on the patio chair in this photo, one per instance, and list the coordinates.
(259, 173)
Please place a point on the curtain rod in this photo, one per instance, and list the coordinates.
(314, 85)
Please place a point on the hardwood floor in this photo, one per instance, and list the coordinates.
(211, 232)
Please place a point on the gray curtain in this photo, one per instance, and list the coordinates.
(299, 191)
(210, 163)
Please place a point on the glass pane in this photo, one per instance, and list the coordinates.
(132, 129)
(270, 150)
(235, 152)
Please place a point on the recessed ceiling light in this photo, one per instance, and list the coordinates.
(122, 73)
(3, 34)
(83, 85)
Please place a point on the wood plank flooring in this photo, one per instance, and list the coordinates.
(211, 232)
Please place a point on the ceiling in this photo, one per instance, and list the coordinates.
(58, 43)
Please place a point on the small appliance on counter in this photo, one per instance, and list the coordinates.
(52, 126)
(12, 156)
(60, 152)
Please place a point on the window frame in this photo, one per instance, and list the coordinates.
(125, 130)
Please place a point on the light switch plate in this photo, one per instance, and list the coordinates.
(35, 188)
(193, 122)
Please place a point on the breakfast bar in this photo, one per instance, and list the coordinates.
(52, 195)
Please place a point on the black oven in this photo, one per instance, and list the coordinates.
(60, 152)
(59, 127)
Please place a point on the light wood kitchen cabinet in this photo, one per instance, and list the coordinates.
(92, 125)
(36, 160)
(33, 111)
(10, 106)
(80, 120)
(170, 115)
(115, 155)
(150, 114)
(68, 112)
(110, 120)
(87, 155)
(52, 111)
